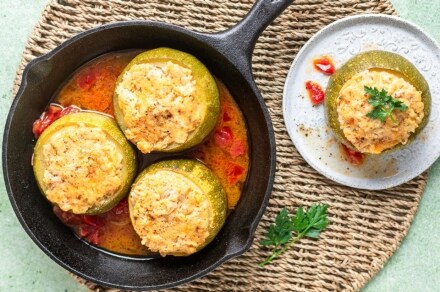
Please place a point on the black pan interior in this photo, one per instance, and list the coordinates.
(43, 77)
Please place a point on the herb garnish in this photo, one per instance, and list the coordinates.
(383, 104)
(308, 223)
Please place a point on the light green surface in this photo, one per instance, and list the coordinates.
(415, 266)
(23, 267)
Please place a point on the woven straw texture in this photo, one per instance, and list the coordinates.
(366, 226)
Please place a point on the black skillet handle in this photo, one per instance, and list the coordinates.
(238, 42)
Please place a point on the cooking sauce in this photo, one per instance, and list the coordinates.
(225, 152)
(92, 87)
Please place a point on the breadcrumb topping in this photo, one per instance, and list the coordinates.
(170, 213)
(158, 105)
(82, 168)
(371, 135)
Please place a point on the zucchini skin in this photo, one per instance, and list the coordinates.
(374, 60)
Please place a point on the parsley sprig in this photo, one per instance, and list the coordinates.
(384, 104)
(305, 223)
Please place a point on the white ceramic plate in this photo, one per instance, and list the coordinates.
(306, 124)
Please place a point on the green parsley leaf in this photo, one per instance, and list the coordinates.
(313, 233)
(383, 104)
(280, 232)
(305, 223)
(399, 105)
(378, 114)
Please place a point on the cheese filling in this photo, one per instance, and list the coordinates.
(82, 168)
(371, 135)
(158, 105)
(170, 213)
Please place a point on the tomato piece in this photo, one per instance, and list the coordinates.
(119, 214)
(45, 120)
(226, 117)
(51, 115)
(85, 226)
(121, 207)
(238, 148)
(68, 110)
(234, 173)
(86, 79)
(93, 237)
(53, 111)
(85, 230)
(92, 220)
(315, 91)
(67, 217)
(89, 233)
(36, 128)
(223, 137)
(324, 65)
(352, 156)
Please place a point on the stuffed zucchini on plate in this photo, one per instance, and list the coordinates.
(377, 101)
(377, 128)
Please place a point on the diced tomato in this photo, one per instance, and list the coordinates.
(50, 116)
(36, 128)
(93, 238)
(226, 117)
(121, 207)
(85, 230)
(119, 214)
(86, 226)
(238, 148)
(67, 217)
(68, 110)
(92, 220)
(315, 92)
(352, 156)
(325, 65)
(86, 79)
(234, 173)
(45, 120)
(88, 232)
(223, 137)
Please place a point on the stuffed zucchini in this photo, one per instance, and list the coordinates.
(166, 101)
(83, 163)
(376, 102)
(177, 207)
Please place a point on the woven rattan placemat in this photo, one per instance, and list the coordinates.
(366, 226)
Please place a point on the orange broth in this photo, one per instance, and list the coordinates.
(225, 151)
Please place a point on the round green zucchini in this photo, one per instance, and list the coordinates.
(112, 132)
(375, 59)
(207, 93)
(198, 174)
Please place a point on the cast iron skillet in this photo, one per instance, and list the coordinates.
(228, 56)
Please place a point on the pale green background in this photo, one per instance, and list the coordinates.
(23, 267)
